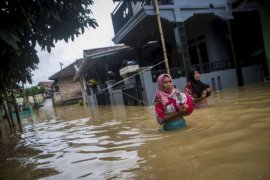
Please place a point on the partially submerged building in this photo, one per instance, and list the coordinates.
(223, 39)
(100, 76)
(65, 90)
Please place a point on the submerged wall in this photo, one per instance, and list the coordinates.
(218, 80)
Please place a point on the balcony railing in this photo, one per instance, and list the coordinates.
(203, 68)
(213, 66)
(175, 73)
(126, 9)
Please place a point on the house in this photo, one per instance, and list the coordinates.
(66, 91)
(46, 84)
(48, 87)
(209, 35)
(102, 66)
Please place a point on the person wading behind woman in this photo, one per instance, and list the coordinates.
(171, 104)
(197, 89)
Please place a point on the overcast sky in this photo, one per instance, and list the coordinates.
(69, 52)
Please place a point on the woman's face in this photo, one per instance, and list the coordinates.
(167, 84)
(197, 76)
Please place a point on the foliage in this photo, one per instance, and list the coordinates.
(26, 23)
(34, 90)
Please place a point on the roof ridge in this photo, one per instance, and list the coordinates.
(94, 51)
(68, 70)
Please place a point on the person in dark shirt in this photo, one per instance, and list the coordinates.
(197, 89)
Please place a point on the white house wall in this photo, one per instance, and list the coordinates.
(228, 78)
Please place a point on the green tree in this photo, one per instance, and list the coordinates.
(34, 90)
(26, 23)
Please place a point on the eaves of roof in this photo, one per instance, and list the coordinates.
(70, 70)
(93, 58)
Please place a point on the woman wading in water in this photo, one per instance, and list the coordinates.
(171, 104)
(197, 89)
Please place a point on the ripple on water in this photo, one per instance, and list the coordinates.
(228, 140)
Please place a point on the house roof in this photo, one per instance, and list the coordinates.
(46, 84)
(109, 56)
(91, 54)
(68, 71)
(96, 51)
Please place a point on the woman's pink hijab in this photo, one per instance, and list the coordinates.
(160, 91)
(160, 81)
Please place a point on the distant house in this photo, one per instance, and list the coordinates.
(66, 91)
(48, 86)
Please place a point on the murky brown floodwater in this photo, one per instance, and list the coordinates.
(229, 140)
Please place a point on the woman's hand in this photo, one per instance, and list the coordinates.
(183, 110)
(204, 93)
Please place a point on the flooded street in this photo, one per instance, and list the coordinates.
(227, 140)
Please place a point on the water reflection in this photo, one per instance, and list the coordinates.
(228, 140)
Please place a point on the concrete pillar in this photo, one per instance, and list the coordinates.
(110, 89)
(148, 87)
(92, 99)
